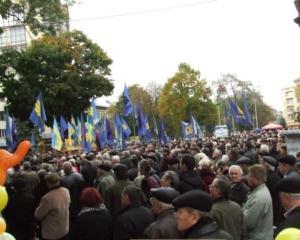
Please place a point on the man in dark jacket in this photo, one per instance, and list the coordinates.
(19, 212)
(134, 218)
(165, 226)
(193, 217)
(189, 179)
(239, 189)
(289, 192)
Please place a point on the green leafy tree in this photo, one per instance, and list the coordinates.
(184, 94)
(39, 16)
(69, 70)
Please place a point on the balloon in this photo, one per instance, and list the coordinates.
(3, 198)
(8, 160)
(2, 225)
(286, 234)
(6, 236)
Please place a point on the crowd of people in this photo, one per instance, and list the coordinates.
(242, 187)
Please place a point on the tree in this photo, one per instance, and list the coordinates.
(69, 70)
(184, 94)
(39, 16)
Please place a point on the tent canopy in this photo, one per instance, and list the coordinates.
(272, 126)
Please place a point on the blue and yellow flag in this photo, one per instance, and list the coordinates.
(127, 105)
(162, 134)
(38, 114)
(56, 142)
(237, 114)
(63, 127)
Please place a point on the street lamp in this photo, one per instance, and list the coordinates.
(297, 5)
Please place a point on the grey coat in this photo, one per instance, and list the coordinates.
(258, 214)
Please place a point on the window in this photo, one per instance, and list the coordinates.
(290, 109)
(289, 94)
(18, 35)
(289, 101)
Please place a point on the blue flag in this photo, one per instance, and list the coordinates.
(187, 131)
(227, 116)
(196, 127)
(127, 105)
(8, 132)
(155, 126)
(125, 127)
(162, 134)
(118, 131)
(237, 114)
(63, 127)
(109, 132)
(246, 111)
(93, 112)
(141, 122)
(38, 114)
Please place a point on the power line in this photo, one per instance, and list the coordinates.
(145, 11)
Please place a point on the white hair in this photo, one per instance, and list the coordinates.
(235, 167)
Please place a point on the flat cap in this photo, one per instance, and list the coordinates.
(270, 160)
(195, 199)
(164, 194)
(288, 159)
(289, 185)
(244, 160)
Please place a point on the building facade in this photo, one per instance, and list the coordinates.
(291, 105)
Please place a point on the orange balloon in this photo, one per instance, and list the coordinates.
(2, 225)
(8, 160)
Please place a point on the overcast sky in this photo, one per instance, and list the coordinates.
(255, 39)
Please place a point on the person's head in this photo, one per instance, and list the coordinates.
(52, 180)
(264, 149)
(220, 188)
(217, 154)
(286, 163)
(121, 171)
(169, 179)
(67, 167)
(131, 195)
(235, 173)
(144, 167)
(191, 207)
(268, 162)
(90, 197)
(289, 191)
(161, 199)
(257, 176)
(187, 162)
(26, 166)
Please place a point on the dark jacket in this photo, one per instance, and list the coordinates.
(74, 183)
(206, 228)
(239, 192)
(89, 174)
(165, 227)
(229, 216)
(112, 197)
(93, 223)
(189, 180)
(292, 221)
(272, 179)
(19, 215)
(132, 222)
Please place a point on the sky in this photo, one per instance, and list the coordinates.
(147, 40)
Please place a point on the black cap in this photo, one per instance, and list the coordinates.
(244, 160)
(288, 159)
(270, 160)
(195, 199)
(164, 194)
(289, 185)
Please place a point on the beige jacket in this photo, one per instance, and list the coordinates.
(53, 212)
